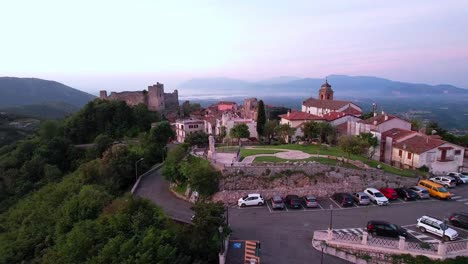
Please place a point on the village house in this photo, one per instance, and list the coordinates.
(420, 150)
(185, 127)
(296, 120)
(229, 120)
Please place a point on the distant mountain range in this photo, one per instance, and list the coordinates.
(32, 91)
(354, 86)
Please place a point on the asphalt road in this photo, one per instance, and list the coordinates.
(286, 236)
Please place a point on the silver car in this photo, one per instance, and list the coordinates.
(310, 201)
(361, 198)
(277, 202)
(422, 192)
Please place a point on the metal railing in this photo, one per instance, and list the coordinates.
(422, 247)
(457, 246)
(352, 238)
(382, 242)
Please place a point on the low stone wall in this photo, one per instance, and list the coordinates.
(302, 179)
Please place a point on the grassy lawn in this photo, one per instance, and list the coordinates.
(335, 151)
(249, 152)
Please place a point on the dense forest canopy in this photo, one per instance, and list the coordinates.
(63, 204)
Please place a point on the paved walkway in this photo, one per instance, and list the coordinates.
(156, 188)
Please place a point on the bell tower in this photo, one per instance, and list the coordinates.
(326, 92)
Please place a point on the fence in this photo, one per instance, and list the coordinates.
(390, 246)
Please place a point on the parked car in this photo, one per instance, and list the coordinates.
(446, 181)
(459, 219)
(343, 199)
(251, 199)
(422, 192)
(437, 227)
(376, 196)
(277, 202)
(407, 194)
(361, 198)
(461, 175)
(293, 201)
(435, 189)
(310, 201)
(390, 193)
(382, 228)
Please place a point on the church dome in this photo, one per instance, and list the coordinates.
(326, 84)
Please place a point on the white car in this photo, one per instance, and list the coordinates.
(445, 181)
(251, 199)
(376, 196)
(436, 227)
(463, 176)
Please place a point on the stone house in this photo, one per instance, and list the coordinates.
(186, 127)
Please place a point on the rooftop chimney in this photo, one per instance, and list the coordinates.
(289, 111)
(386, 117)
(375, 122)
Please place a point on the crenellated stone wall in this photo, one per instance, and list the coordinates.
(308, 179)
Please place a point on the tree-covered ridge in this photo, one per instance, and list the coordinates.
(63, 204)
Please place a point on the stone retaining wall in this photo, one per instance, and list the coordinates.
(301, 179)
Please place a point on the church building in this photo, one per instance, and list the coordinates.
(325, 104)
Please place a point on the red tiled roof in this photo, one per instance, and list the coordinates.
(297, 115)
(379, 118)
(419, 144)
(352, 111)
(333, 115)
(397, 133)
(326, 104)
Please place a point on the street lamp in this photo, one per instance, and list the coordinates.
(331, 217)
(220, 230)
(136, 168)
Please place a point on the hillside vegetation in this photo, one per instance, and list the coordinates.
(61, 204)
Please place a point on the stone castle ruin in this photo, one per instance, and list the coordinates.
(154, 98)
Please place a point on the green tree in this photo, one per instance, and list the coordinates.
(353, 145)
(201, 175)
(416, 124)
(372, 143)
(239, 131)
(171, 170)
(161, 133)
(144, 118)
(323, 131)
(367, 115)
(261, 118)
(269, 131)
(101, 143)
(205, 237)
(285, 132)
(48, 130)
(199, 139)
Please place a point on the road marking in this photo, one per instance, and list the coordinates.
(466, 203)
(267, 203)
(456, 197)
(320, 205)
(462, 200)
(336, 203)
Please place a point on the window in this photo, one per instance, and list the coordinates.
(400, 153)
(458, 152)
(409, 155)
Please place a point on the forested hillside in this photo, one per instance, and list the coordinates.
(62, 204)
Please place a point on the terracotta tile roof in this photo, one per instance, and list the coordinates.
(226, 103)
(352, 111)
(326, 104)
(333, 115)
(379, 118)
(419, 144)
(397, 133)
(297, 115)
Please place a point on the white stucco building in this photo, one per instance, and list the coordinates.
(186, 127)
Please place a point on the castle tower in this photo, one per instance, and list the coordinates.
(326, 92)
(156, 97)
(103, 94)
